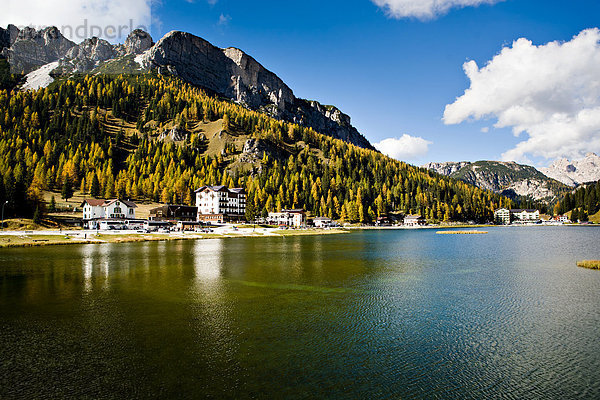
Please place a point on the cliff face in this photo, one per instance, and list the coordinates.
(576, 172)
(31, 49)
(230, 72)
(508, 178)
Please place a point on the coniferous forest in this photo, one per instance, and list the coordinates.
(64, 137)
(582, 202)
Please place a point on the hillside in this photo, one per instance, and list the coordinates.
(582, 203)
(230, 73)
(157, 138)
(507, 178)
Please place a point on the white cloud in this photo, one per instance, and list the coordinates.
(548, 93)
(485, 129)
(425, 9)
(79, 19)
(404, 148)
(224, 19)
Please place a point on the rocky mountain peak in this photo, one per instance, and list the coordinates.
(137, 42)
(575, 172)
(87, 55)
(31, 48)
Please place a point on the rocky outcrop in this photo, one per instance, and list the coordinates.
(228, 72)
(31, 49)
(137, 42)
(576, 172)
(446, 168)
(87, 55)
(508, 178)
(175, 134)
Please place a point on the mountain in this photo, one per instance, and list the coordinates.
(229, 72)
(576, 172)
(152, 136)
(508, 178)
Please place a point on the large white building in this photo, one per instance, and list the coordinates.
(95, 210)
(296, 218)
(220, 204)
(505, 216)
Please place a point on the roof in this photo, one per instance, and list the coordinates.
(128, 203)
(413, 217)
(104, 203)
(93, 202)
(517, 210)
(174, 207)
(238, 190)
(219, 188)
(294, 211)
(322, 219)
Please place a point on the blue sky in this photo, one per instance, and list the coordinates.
(395, 75)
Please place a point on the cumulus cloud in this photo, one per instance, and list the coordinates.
(79, 19)
(404, 148)
(549, 94)
(425, 9)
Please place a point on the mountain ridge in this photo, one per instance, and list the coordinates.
(507, 178)
(228, 72)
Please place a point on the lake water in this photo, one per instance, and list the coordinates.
(371, 314)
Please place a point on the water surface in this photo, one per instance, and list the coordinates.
(373, 314)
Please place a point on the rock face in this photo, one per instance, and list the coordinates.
(31, 49)
(137, 42)
(508, 178)
(88, 55)
(228, 72)
(446, 168)
(176, 135)
(576, 172)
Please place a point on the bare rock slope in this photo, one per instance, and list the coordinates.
(576, 172)
(508, 178)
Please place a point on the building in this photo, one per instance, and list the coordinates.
(220, 204)
(323, 222)
(504, 216)
(172, 212)
(95, 210)
(295, 218)
(414, 220)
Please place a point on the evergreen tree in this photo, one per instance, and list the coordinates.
(52, 205)
(95, 187)
(67, 189)
(37, 218)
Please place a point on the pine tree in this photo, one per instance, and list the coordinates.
(52, 206)
(67, 189)
(95, 187)
(37, 218)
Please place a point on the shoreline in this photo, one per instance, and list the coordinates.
(16, 239)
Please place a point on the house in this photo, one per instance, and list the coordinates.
(296, 218)
(172, 212)
(323, 222)
(414, 220)
(95, 210)
(220, 204)
(503, 216)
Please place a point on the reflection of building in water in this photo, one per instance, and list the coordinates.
(208, 259)
(87, 264)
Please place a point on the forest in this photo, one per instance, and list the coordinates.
(582, 202)
(60, 139)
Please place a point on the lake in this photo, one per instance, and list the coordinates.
(371, 314)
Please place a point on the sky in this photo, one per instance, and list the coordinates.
(423, 80)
